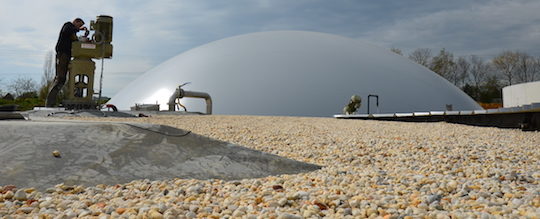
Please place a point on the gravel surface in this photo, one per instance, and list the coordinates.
(371, 169)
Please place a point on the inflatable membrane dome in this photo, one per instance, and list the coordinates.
(294, 73)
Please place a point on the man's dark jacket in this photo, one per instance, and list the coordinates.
(66, 37)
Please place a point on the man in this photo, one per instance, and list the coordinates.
(68, 34)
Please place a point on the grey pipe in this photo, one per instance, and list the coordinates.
(181, 93)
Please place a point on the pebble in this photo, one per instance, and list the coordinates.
(302, 195)
(153, 214)
(516, 202)
(71, 214)
(84, 213)
(20, 195)
(288, 216)
(370, 169)
(238, 213)
(194, 189)
(431, 198)
(282, 202)
(8, 195)
(191, 215)
(26, 210)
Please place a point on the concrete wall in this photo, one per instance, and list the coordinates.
(521, 94)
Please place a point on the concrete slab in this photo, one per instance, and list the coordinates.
(421, 114)
(451, 112)
(404, 114)
(110, 153)
(383, 115)
(480, 111)
(506, 110)
(466, 112)
(351, 116)
(436, 113)
(493, 110)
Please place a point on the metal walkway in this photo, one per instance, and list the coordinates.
(526, 118)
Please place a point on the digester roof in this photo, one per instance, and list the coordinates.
(294, 73)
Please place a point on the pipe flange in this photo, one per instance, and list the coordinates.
(181, 93)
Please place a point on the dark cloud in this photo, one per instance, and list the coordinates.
(149, 32)
(479, 27)
(485, 29)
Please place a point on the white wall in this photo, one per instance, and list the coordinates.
(521, 94)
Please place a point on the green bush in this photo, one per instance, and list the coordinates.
(24, 103)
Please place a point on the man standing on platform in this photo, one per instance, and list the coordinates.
(68, 34)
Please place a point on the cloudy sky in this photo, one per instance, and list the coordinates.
(148, 32)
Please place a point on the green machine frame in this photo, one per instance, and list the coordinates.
(80, 87)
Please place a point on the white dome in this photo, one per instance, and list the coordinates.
(294, 73)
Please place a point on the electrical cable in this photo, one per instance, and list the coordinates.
(180, 105)
(72, 113)
(128, 124)
(101, 81)
(163, 133)
(101, 76)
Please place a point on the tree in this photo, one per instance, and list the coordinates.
(506, 64)
(421, 56)
(49, 73)
(481, 84)
(527, 67)
(29, 94)
(478, 73)
(397, 51)
(472, 91)
(444, 65)
(22, 85)
(463, 67)
(536, 69)
(490, 92)
(1, 92)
